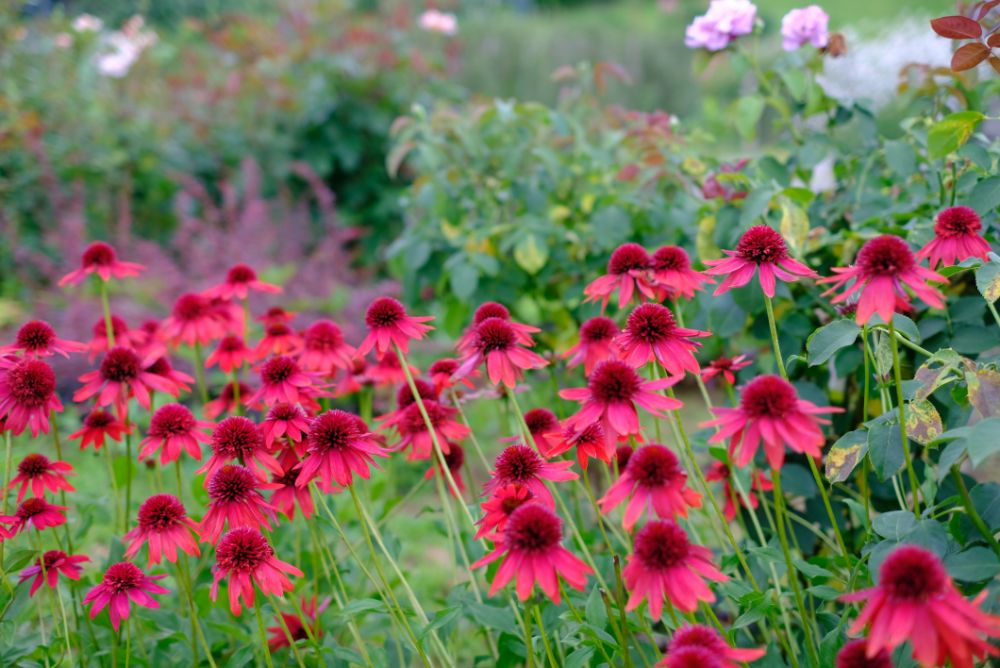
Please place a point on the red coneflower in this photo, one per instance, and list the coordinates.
(174, 428)
(240, 280)
(147, 340)
(884, 267)
(405, 399)
(286, 421)
(339, 445)
(696, 635)
(27, 394)
(771, 411)
(725, 367)
(355, 379)
(389, 324)
(163, 524)
(915, 600)
(56, 563)
(36, 512)
(414, 434)
(543, 425)
(519, 464)
(628, 271)
(123, 583)
(100, 258)
(125, 337)
(485, 311)
(233, 497)
(282, 381)
(531, 545)
(497, 509)
(275, 315)
(231, 354)
(957, 237)
(656, 482)
(665, 565)
(761, 251)
(296, 625)
(226, 401)
(672, 274)
(324, 349)
(237, 437)
(612, 392)
(597, 343)
(719, 472)
(96, 426)
(193, 320)
(651, 333)
(286, 493)
(36, 338)
(623, 454)
(495, 343)
(279, 339)
(691, 657)
(441, 374)
(855, 655)
(119, 378)
(162, 368)
(455, 459)
(39, 473)
(247, 559)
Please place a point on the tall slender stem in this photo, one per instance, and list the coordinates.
(185, 577)
(8, 457)
(545, 637)
(263, 637)
(898, 374)
(109, 328)
(199, 374)
(970, 509)
(774, 337)
(288, 634)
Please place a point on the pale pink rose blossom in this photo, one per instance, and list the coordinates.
(434, 21)
(805, 25)
(724, 21)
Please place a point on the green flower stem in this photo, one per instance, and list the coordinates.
(616, 627)
(185, 579)
(584, 626)
(622, 615)
(57, 442)
(110, 459)
(128, 642)
(898, 374)
(199, 374)
(993, 310)
(288, 633)
(977, 520)
(109, 328)
(545, 637)
(4, 493)
(529, 648)
(263, 637)
(472, 436)
(128, 472)
(774, 337)
(55, 593)
(237, 401)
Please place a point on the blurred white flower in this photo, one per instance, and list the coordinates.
(64, 40)
(122, 48)
(823, 177)
(87, 23)
(442, 22)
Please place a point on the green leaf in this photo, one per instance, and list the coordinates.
(595, 611)
(361, 605)
(580, 657)
(748, 112)
(950, 133)
(894, 525)
(985, 195)
(18, 559)
(885, 448)
(986, 500)
(988, 280)
(974, 565)
(464, 279)
(844, 455)
(983, 440)
(825, 592)
(901, 158)
(811, 571)
(828, 339)
(530, 254)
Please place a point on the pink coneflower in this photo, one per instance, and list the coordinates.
(725, 367)
(414, 434)
(623, 455)
(240, 280)
(651, 333)
(770, 411)
(125, 337)
(56, 563)
(282, 381)
(247, 559)
(226, 401)
(286, 421)
(884, 267)
(193, 320)
(231, 354)
(36, 338)
(119, 378)
(27, 394)
(163, 524)
(597, 343)
(455, 459)
(147, 340)
(388, 325)
(355, 379)
(174, 428)
(276, 315)
(855, 655)
(691, 657)
(339, 446)
(665, 565)
(915, 600)
(696, 635)
(505, 500)
(286, 493)
(279, 339)
(656, 483)
(388, 371)
(296, 625)
(442, 374)
(589, 442)
(123, 583)
(519, 464)
(324, 349)
(543, 425)
(719, 472)
(531, 545)
(628, 271)
(237, 437)
(35, 512)
(97, 426)
(957, 237)
(100, 258)
(466, 343)
(610, 398)
(161, 367)
(672, 274)
(233, 497)
(39, 473)
(495, 343)
(761, 251)
(230, 316)
(405, 399)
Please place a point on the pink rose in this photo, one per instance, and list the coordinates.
(808, 24)
(724, 21)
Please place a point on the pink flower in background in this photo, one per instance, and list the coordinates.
(100, 258)
(434, 21)
(957, 236)
(123, 582)
(240, 280)
(807, 25)
(36, 338)
(724, 21)
(56, 563)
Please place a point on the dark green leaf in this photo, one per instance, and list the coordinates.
(830, 338)
(976, 564)
(894, 525)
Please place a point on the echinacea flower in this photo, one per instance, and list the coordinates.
(174, 428)
(519, 464)
(389, 325)
(238, 438)
(100, 258)
(164, 525)
(283, 381)
(123, 583)
(496, 344)
(771, 411)
(623, 454)
(628, 272)
(247, 559)
(543, 425)
(957, 237)
(524, 333)
(691, 656)
(181, 381)
(286, 493)
(226, 401)
(442, 374)
(35, 512)
(505, 500)
(192, 321)
(672, 274)
(884, 267)
(414, 434)
(719, 472)
(589, 442)
(651, 333)
(97, 426)
(276, 315)
(119, 378)
(666, 566)
(296, 625)
(49, 567)
(455, 460)
(725, 367)
(612, 393)
(233, 498)
(760, 251)
(387, 371)
(36, 338)
(854, 654)
(531, 545)
(240, 280)
(230, 354)
(656, 483)
(597, 343)
(40, 473)
(279, 339)
(123, 336)
(339, 446)
(27, 394)
(324, 349)
(916, 601)
(696, 635)
(286, 421)
(405, 399)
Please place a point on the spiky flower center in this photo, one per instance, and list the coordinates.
(494, 334)
(613, 381)
(120, 365)
(99, 254)
(761, 245)
(171, 420)
(517, 463)
(768, 397)
(31, 383)
(661, 545)
(532, 528)
(240, 274)
(123, 577)
(34, 465)
(651, 323)
(278, 369)
(913, 574)
(191, 306)
(958, 221)
(161, 512)
(236, 437)
(384, 312)
(232, 483)
(35, 336)
(628, 257)
(598, 329)
(243, 550)
(654, 466)
(490, 310)
(886, 255)
(671, 258)
(323, 335)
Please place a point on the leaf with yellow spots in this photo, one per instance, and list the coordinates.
(844, 455)
(923, 422)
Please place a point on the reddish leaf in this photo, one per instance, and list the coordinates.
(957, 27)
(969, 56)
(994, 39)
(995, 63)
(985, 9)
